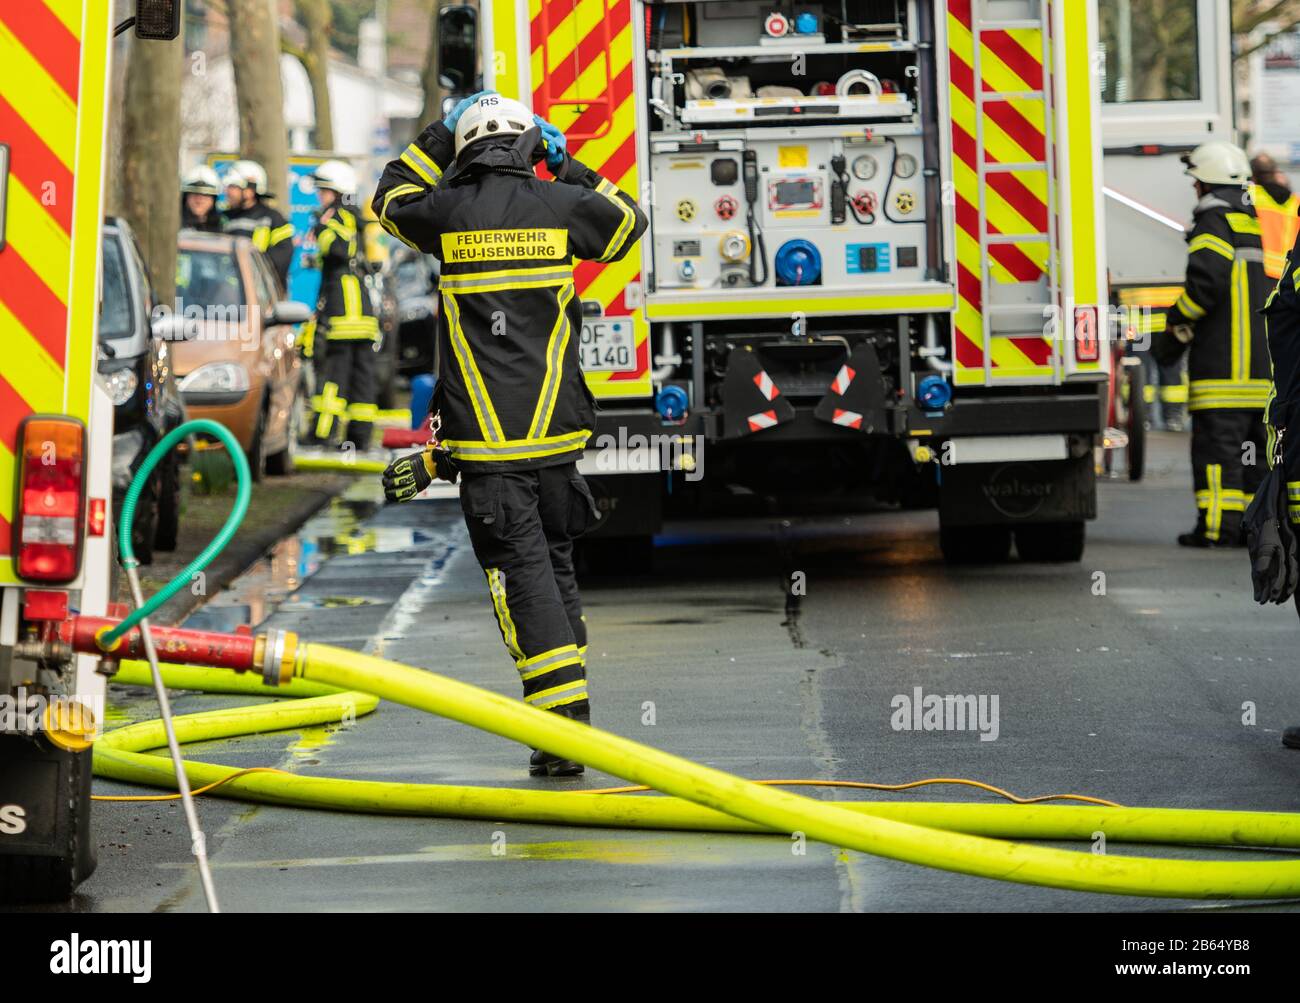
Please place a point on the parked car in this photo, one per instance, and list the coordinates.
(415, 283)
(136, 369)
(233, 343)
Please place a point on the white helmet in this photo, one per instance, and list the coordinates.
(491, 115)
(253, 175)
(1218, 163)
(201, 180)
(336, 176)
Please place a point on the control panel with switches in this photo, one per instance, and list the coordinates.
(737, 210)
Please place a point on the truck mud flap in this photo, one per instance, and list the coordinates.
(856, 398)
(45, 803)
(751, 401)
(1018, 492)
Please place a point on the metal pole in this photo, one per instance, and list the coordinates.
(198, 843)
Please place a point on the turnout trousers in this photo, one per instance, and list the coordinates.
(522, 524)
(345, 387)
(1229, 460)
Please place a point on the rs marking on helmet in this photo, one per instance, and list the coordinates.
(489, 117)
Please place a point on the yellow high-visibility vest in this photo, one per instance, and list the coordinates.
(1279, 224)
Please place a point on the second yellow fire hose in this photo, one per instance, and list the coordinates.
(953, 837)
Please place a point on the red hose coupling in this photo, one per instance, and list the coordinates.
(174, 644)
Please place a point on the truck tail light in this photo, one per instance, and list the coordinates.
(51, 499)
(1087, 340)
(97, 518)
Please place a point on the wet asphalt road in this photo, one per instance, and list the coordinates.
(1135, 695)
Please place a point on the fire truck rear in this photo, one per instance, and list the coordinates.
(56, 428)
(875, 265)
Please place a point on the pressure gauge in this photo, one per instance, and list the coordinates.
(905, 165)
(865, 167)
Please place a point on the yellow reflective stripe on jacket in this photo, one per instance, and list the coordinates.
(506, 279)
(1209, 242)
(555, 346)
(624, 228)
(488, 424)
(416, 159)
(1241, 321)
(281, 234)
(1242, 222)
(517, 449)
(261, 237)
(1189, 308)
(387, 223)
(1247, 395)
(352, 329)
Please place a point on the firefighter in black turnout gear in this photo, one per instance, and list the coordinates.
(346, 328)
(511, 404)
(1218, 318)
(1282, 313)
(248, 215)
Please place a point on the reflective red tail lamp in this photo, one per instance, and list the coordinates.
(1087, 337)
(50, 514)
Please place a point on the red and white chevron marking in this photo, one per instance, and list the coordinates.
(766, 387)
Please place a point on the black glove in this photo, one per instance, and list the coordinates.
(408, 475)
(1273, 564)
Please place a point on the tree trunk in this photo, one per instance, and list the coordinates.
(318, 20)
(433, 92)
(255, 56)
(149, 191)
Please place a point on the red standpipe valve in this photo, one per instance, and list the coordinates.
(273, 653)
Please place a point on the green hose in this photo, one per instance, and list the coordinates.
(186, 575)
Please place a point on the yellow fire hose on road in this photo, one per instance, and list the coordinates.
(947, 836)
(965, 838)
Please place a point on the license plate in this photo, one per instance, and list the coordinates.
(607, 346)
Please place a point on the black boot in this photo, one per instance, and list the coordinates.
(543, 764)
(1195, 539)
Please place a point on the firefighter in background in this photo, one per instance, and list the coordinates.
(346, 330)
(200, 187)
(511, 405)
(1217, 320)
(1278, 209)
(249, 215)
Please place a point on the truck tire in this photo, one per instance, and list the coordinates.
(975, 544)
(167, 534)
(144, 526)
(1051, 542)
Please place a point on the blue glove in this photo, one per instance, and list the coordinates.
(454, 115)
(554, 142)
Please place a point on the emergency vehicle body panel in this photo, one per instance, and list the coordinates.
(916, 193)
(54, 73)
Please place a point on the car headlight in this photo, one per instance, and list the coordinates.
(120, 385)
(216, 377)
